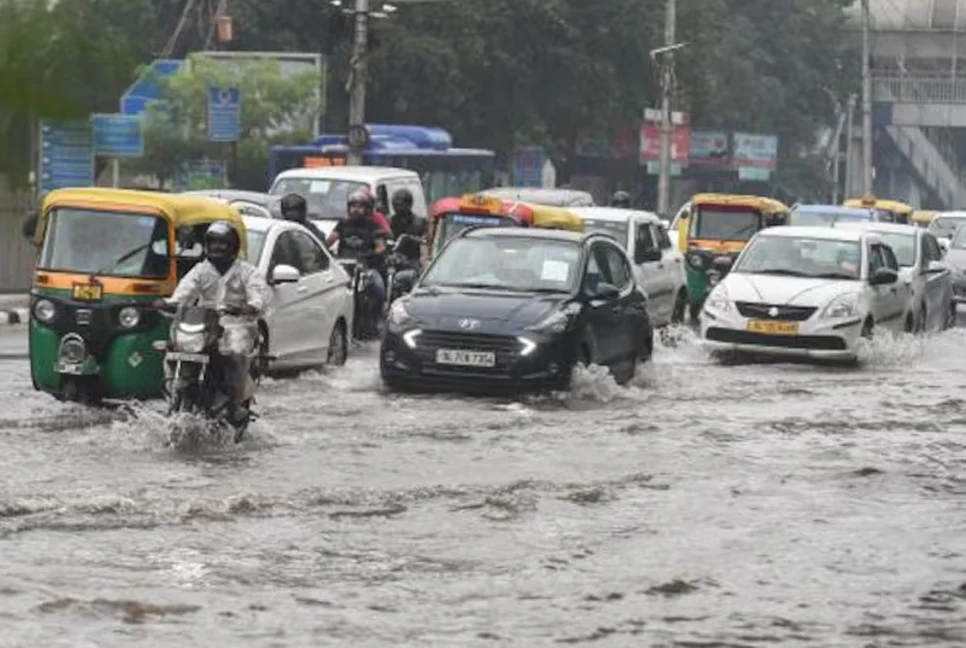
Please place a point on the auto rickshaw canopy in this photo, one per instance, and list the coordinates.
(525, 214)
(872, 202)
(760, 204)
(178, 209)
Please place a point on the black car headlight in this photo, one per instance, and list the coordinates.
(558, 321)
(399, 314)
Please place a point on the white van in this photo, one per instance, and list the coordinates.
(326, 189)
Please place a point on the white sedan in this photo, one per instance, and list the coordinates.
(921, 267)
(312, 309)
(807, 292)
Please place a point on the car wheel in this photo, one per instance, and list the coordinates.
(680, 308)
(338, 345)
(910, 323)
(694, 310)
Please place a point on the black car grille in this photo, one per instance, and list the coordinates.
(783, 312)
(809, 342)
(505, 348)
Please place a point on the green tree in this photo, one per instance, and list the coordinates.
(275, 108)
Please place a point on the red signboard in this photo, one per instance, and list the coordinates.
(651, 143)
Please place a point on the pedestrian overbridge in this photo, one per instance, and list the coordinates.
(919, 100)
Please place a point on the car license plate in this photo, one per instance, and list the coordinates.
(466, 358)
(88, 292)
(772, 327)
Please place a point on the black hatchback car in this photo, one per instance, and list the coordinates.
(517, 308)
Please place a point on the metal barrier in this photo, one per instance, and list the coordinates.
(919, 89)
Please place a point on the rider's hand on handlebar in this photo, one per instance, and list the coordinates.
(246, 310)
(162, 305)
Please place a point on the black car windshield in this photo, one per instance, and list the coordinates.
(614, 229)
(511, 263)
(717, 224)
(107, 243)
(326, 198)
(452, 224)
(802, 257)
(945, 226)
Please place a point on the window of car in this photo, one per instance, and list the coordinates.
(932, 251)
(620, 270)
(890, 259)
(876, 259)
(663, 240)
(312, 258)
(285, 252)
(645, 237)
(607, 263)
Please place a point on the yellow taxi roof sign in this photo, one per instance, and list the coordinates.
(477, 202)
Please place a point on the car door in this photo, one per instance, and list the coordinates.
(626, 305)
(667, 272)
(938, 284)
(283, 331)
(888, 309)
(322, 294)
(673, 264)
(604, 316)
(647, 270)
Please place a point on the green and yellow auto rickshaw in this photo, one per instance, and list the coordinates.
(713, 229)
(104, 255)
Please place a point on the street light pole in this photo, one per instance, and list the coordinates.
(866, 103)
(357, 80)
(664, 179)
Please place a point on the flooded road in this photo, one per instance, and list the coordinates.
(705, 505)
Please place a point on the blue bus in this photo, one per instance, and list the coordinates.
(445, 170)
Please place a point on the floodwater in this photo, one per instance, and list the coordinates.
(704, 505)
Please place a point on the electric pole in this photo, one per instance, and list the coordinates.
(357, 78)
(866, 102)
(849, 139)
(667, 129)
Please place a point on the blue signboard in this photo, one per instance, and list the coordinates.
(66, 155)
(147, 89)
(201, 174)
(224, 114)
(118, 136)
(528, 166)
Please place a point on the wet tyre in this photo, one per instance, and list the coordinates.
(338, 346)
(680, 308)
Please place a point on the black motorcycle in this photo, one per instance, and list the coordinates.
(366, 319)
(404, 266)
(198, 383)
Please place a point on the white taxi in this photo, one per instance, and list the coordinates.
(807, 292)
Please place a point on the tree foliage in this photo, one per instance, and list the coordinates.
(275, 108)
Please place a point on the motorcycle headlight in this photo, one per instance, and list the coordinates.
(129, 317)
(842, 306)
(558, 321)
(189, 342)
(718, 300)
(44, 310)
(398, 314)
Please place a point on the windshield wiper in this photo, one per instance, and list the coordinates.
(781, 271)
(124, 257)
(834, 275)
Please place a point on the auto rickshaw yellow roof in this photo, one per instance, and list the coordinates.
(181, 209)
(879, 203)
(760, 203)
(547, 217)
(923, 215)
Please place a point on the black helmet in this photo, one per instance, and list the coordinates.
(402, 200)
(621, 199)
(293, 207)
(222, 243)
(361, 197)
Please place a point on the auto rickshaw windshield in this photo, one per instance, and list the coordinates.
(725, 224)
(106, 243)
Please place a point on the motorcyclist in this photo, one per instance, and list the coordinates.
(404, 221)
(361, 237)
(295, 209)
(224, 282)
(621, 199)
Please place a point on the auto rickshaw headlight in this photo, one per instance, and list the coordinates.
(44, 310)
(129, 317)
(696, 261)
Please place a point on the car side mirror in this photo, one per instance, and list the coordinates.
(284, 274)
(936, 267)
(647, 255)
(605, 292)
(884, 277)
